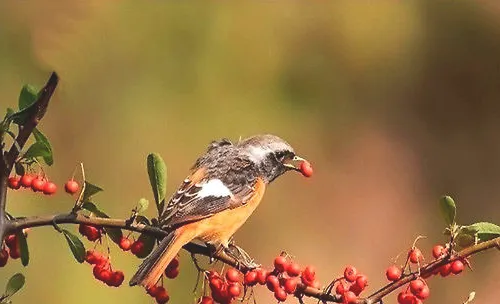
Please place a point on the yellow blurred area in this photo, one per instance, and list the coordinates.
(394, 102)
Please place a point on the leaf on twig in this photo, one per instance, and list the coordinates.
(157, 171)
(482, 231)
(23, 248)
(27, 97)
(90, 190)
(76, 246)
(16, 282)
(448, 209)
(41, 138)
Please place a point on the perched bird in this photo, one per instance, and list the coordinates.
(225, 186)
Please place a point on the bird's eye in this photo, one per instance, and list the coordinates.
(280, 155)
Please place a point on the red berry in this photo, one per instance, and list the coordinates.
(416, 286)
(416, 256)
(93, 233)
(90, 257)
(37, 184)
(350, 273)
(457, 266)
(137, 247)
(105, 275)
(290, 285)
(306, 168)
(445, 270)
(361, 281)
(4, 257)
(261, 275)
(349, 297)
(393, 273)
(171, 273)
(162, 296)
(232, 275)
(438, 251)
(250, 278)
(96, 271)
(356, 289)
(406, 298)
(341, 288)
(26, 180)
(14, 182)
(71, 187)
(125, 243)
(174, 263)
(216, 283)
(309, 273)
(293, 269)
(15, 251)
(49, 188)
(234, 290)
(117, 278)
(423, 293)
(280, 294)
(206, 300)
(272, 282)
(11, 240)
(152, 291)
(280, 264)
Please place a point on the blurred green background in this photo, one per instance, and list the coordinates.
(395, 103)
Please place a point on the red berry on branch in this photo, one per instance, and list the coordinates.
(232, 275)
(171, 273)
(272, 282)
(11, 240)
(152, 291)
(438, 251)
(162, 296)
(293, 269)
(71, 186)
(26, 180)
(445, 270)
(206, 300)
(350, 273)
(393, 273)
(406, 298)
(361, 281)
(349, 298)
(424, 293)
(15, 251)
(4, 257)
(306, 168)
(415, 256)
(261, 275)
(105, 275)
(416, 286)
(457, 266)
(49, 188)
(91, 258)
(137, 247)
(280, 294)
(37, 184)
(117, 278)
(290, 285)
(250, 278)
(125, 243)
(309, 273)
(216, 283)
(14, 182)
(174, 263)
(93, 233)
(234, 290)
(280, 264)
(341, 287)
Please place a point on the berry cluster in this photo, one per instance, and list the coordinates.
(136, 247)
(418, 290)
(350, 286)
(224, 289)
(159, 292)
(10, 247)
(92, 233)
(39, 183)
(102, 269)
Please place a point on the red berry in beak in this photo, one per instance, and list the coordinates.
(306, 168)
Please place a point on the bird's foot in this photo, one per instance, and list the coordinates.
(241, 256)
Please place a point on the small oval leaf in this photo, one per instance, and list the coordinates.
(38, 149)
(484, 231)
(23, 248)
(142, 205)
(448, 209)
(76, 246)
(16, 282)
(157, 171)
(90, 190)
(149, 244)
(41, 138)
(27, 97)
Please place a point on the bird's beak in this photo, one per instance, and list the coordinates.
(296, 163)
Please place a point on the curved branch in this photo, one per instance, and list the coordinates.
(425, 270)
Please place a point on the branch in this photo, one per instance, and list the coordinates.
(37, 111)
(426, 270)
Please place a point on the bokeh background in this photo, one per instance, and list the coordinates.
(395, 103)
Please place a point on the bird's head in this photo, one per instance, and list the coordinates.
(272, 156)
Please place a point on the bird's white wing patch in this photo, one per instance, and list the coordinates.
(214, 187)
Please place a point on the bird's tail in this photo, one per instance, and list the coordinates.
(154, 265)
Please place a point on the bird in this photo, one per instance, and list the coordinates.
(225, 186)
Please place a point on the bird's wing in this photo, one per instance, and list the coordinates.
(200, 196)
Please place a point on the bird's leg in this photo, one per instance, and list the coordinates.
(213, 251)
(240, 256)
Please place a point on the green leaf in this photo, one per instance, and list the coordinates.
(16, 282)
(157, 171)
(36, 150)
(41, 138)
(448, 209)
(76, 246)
(142, 205)
(149, 244)
(23, 248)
(90, 190)
(483, 231)
(115, 234)
(28, 96)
